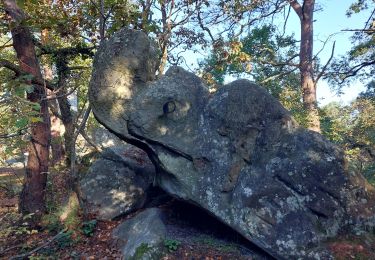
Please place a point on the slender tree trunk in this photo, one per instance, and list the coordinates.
(65, 110)
(306, 14)
(32, 199)
(101, 21)
(57, 147)
(165, 37)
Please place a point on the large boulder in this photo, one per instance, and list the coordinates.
(117, 182)
(237, 153)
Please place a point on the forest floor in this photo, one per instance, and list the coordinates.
(80, 241)
(195, 234)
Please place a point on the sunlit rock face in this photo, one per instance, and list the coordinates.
(236, 153)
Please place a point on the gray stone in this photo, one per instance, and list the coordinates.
(117, 182)
(141, 237)
(237, 153)
(104, 139)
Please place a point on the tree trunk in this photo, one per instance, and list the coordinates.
(57, 147)
(32, 198)
(65, 110)
(306, 13)
(165, 36)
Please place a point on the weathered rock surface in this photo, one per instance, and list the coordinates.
(117, 182)
(238, 153)
(141, 237)
(104, 139)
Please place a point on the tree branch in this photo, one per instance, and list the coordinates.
(296, 7)
(369, 19)
(326, 65)
(354, 70)
(285, 63)
(18, 71)
(204, 28)
(359, 30)
(277, 76)
(19, 133)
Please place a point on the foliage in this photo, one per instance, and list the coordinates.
(353, 128)
(141, 251)
(88, 227)
(65, 239)
(171, 244)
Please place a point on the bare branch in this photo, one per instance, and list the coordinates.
(63, 95)
(359, 30)
(6, 45)
(286, 20)
(204, 28)
(285, 63)
(9, 65)
(369, 19)
(18, 71)
(277, 76)
(326, 65)
(354, 70)
(19, 133)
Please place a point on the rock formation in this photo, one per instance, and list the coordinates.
(237, 153)
(117, 182)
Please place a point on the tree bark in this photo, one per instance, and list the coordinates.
(32, 198)
(166, 34)
(57, 147)
(65, 108)
(306, 14)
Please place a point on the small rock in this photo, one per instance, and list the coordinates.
(141, 237)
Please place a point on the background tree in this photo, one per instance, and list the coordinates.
(267, 58)
(236, 16)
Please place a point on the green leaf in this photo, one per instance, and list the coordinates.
(19, 91)
(36, 119)
(36, 107)
(29, 88)
(27, 77)
(21, 3)
(22, 122)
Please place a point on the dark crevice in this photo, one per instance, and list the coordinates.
(288, 185)
(318, 213)
(186, 219)
(166, 147)
(133, 141)
(330, 194)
